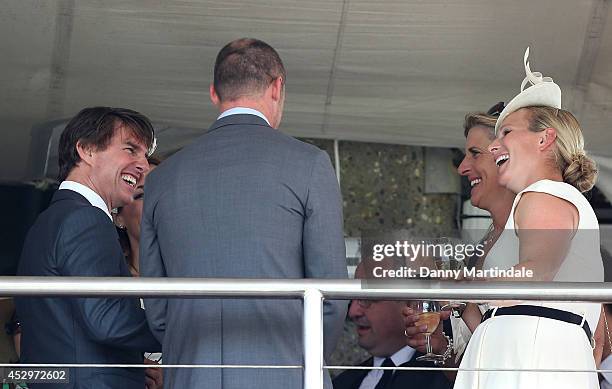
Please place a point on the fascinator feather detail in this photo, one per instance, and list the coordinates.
(541, 91)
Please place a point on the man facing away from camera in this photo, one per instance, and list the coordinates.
(102, 156)
(243, 201)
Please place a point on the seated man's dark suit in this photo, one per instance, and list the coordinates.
(74, 238)
(406, 379)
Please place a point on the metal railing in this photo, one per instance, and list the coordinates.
(312, 291)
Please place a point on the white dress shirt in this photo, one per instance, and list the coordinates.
(402, 356)
(243, 111)
(88, 193)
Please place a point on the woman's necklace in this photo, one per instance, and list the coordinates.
(487, 241)
(490, 236)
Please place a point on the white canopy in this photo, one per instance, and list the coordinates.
(402, 71)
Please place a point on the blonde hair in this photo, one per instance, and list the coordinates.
(577, 168)
(479, 119)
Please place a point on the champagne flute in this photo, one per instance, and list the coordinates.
(430, 316)
(451, 262)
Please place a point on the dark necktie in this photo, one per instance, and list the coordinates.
(386, 377)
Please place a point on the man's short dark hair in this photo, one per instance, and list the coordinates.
(246, 67)
(95, 127)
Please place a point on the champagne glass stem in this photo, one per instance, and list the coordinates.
(428, 344)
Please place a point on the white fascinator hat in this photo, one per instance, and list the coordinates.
(541, 91)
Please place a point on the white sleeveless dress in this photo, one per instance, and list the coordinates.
(528, 342)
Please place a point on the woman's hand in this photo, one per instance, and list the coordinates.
(415, 335)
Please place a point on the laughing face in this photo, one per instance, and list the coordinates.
(479, 167)
(516, 151)
(116, 170)
(131, 214)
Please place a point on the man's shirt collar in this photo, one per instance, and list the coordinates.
(91, 196)
(243, 111)
(402, 356)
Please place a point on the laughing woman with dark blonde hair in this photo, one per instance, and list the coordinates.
(553, 232)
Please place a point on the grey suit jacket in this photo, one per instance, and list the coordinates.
(74, 238)
(243, 201)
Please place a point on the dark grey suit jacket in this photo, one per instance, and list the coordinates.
(74, 238)
(244, 201)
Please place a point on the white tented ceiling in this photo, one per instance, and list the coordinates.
(399, 71)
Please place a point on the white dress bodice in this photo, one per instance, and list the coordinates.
(583, 261)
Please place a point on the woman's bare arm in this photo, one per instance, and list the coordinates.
(545, 225)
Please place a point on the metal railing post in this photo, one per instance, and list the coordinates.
(313, 339)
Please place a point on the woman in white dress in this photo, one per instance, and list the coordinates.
(552, 231)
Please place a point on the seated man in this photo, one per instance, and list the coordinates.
(380, 328)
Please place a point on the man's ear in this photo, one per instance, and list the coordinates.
(86, 152)
(547, 138)
(214, 97)
(277, 88)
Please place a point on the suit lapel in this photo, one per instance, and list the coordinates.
(355, 377)
(411, 363)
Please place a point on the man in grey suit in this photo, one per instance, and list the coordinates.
(244, 201)
(102, 156)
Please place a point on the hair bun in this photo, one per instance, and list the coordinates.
(578, 156)
(581, 172)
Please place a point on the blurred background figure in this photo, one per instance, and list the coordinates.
(10, 332)
(127, 219)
